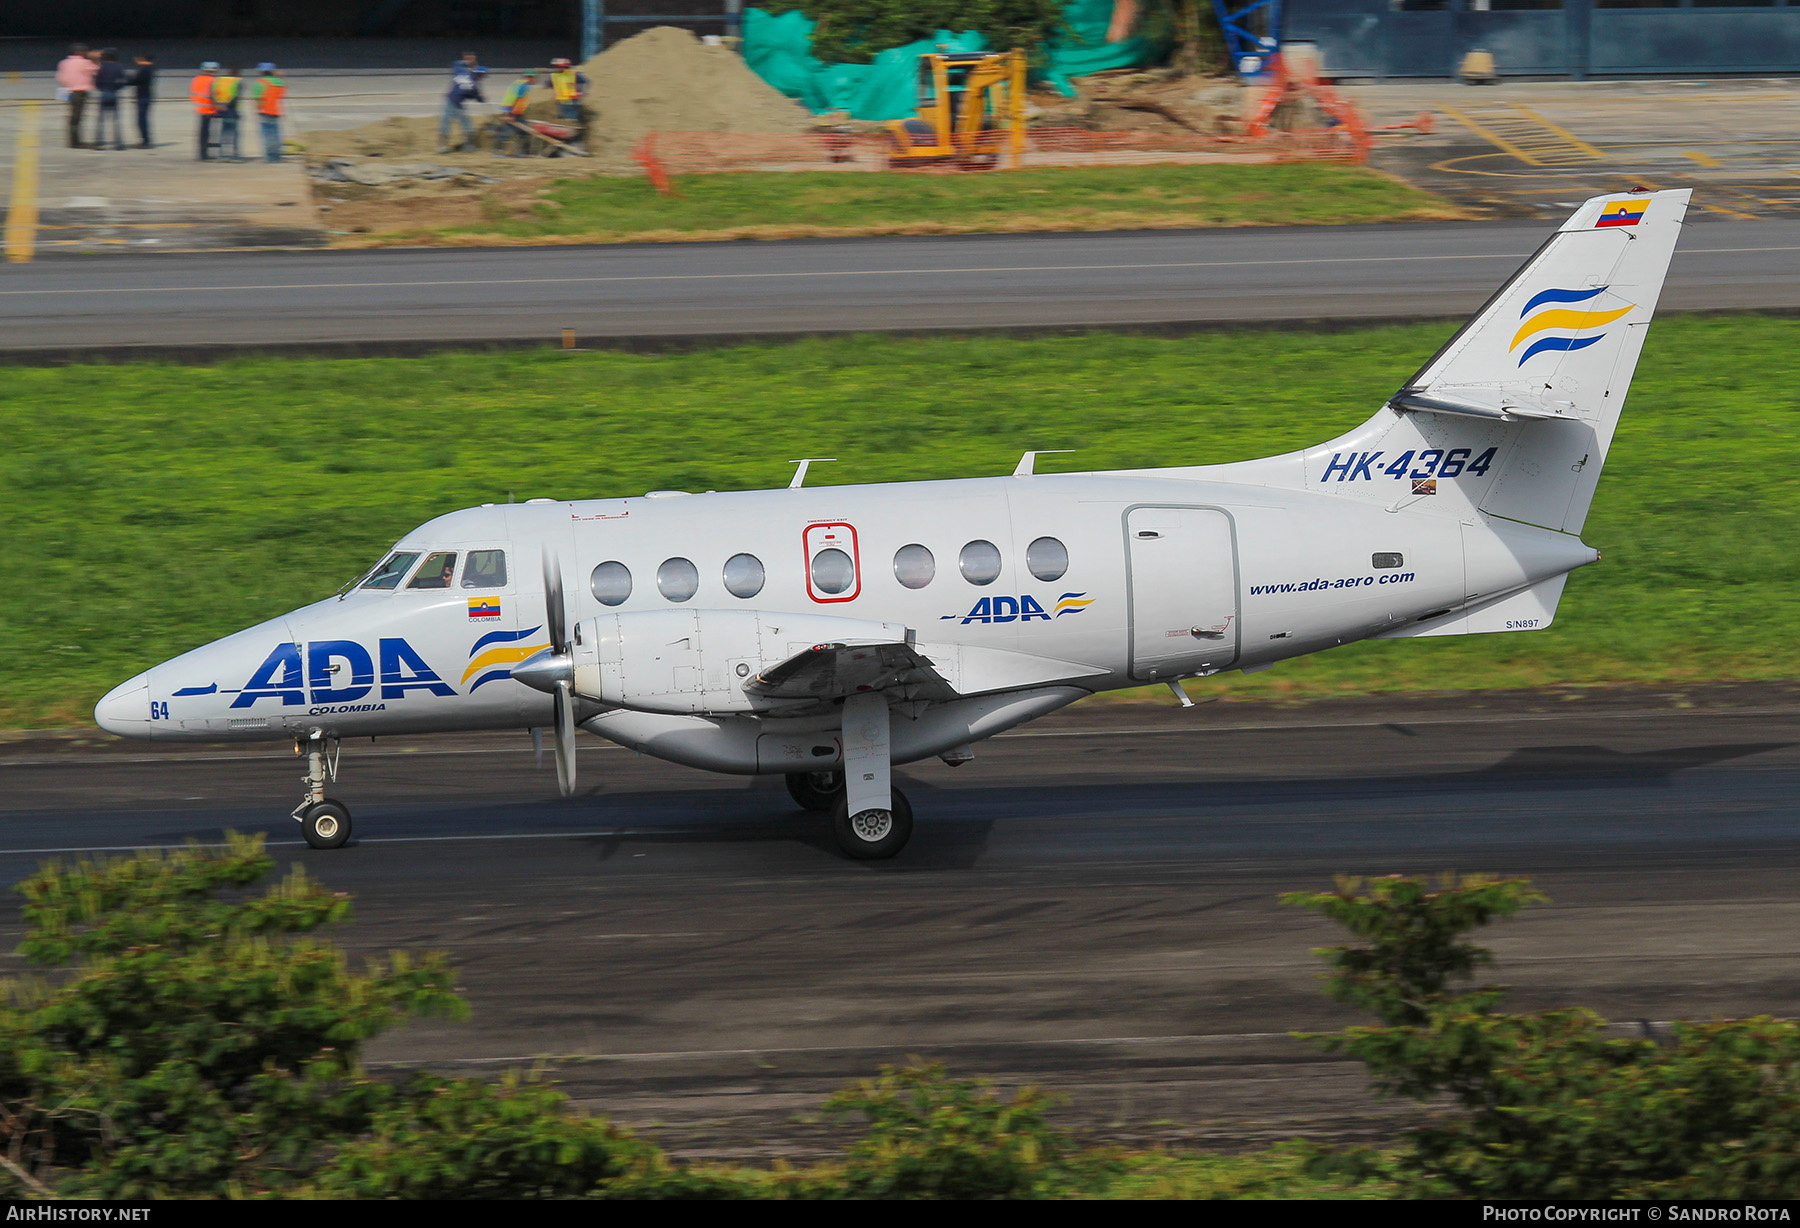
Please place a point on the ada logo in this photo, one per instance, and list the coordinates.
(1020, 609)
(278, 677)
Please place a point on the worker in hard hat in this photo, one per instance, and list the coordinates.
(569, 84)
(507, 125)
(200, 93)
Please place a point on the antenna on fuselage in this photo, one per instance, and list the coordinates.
(1027, 465)
(800, 473)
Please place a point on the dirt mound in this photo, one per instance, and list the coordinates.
(666, 79)
(397, 136)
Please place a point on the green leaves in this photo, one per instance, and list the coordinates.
(1413, 950)
(853, 31)
(1555, 1104)
(931, 1136)
(195, 1044)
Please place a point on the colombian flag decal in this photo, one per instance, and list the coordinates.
(1622, 213)
(484, 607)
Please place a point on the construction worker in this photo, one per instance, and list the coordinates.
(465, 87)
(200, 93)
(506, 125)
(267, 92)
(227, 86)
(569, 86)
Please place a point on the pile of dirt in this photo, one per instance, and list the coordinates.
(667, 80)
(664, 79)
(1160, 100)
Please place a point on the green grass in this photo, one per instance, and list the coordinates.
(154, 507)
(781, 205)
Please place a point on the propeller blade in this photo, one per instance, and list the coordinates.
(537, 747)
(565, 736)
(555, 616)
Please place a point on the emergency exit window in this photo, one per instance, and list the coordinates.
(833, 565)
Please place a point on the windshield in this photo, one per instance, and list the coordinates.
(438, 570)
(390, 573)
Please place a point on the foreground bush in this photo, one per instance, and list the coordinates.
(1553, 1104)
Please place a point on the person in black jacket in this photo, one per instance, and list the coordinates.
(144, 82)
(107, 83)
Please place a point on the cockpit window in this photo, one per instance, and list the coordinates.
(436, 572)
(485, 569)
(390, 573)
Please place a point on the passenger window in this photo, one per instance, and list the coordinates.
(743, 575)
(437, 571)
(1047, 559)
(1381, 562)
(611, 583)
(981, 562)
(677, 579)
(390, 573)
(485, 569)
(832, 571)
(914, 566)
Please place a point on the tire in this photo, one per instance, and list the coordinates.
(816, 791)
(872, 835)
(326, 824)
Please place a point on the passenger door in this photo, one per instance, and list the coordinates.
(1184, 590)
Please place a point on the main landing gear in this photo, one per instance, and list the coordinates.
(871, 819)
(872, 833)
(323, 821)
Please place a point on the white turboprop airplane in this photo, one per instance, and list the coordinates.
(824, 634)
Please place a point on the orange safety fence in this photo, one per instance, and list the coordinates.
(663, 154)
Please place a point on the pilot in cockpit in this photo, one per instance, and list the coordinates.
(430, 576)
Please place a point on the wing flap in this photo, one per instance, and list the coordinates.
(910, 672)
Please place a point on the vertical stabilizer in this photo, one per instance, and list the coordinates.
(1514, 415)
(1554, 351)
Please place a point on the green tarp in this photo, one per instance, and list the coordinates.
(779, 50)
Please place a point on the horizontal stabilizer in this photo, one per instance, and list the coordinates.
(1531, 609)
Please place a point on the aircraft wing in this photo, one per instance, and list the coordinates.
(910, 672)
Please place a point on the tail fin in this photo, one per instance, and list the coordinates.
(1515, 414)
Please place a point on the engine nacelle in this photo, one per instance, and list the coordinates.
(697, 661)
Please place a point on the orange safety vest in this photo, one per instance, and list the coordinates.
(269, 93)
(200, 93)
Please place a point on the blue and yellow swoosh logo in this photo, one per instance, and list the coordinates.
(1071, 603)
(503, 649)
(1562, 319)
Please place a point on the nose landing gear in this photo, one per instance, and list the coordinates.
(324, 822)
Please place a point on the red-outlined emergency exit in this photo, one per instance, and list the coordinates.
(833, 566)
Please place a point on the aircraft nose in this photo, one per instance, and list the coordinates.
(126, 708)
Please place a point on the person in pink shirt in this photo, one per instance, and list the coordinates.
(75, 75)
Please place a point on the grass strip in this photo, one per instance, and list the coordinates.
(783, 205)
(154, 507)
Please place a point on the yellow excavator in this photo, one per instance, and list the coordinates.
(971, 112)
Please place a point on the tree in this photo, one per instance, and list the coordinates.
(197, 1042)
(1554, 1104)
(854, 31)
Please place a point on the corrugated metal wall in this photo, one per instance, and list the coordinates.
(1578, 38)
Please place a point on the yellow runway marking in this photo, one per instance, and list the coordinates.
(22, 213)
(1523, 133)
(1701, 157)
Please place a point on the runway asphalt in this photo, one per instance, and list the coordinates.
(664, 292)
(1090, 904)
